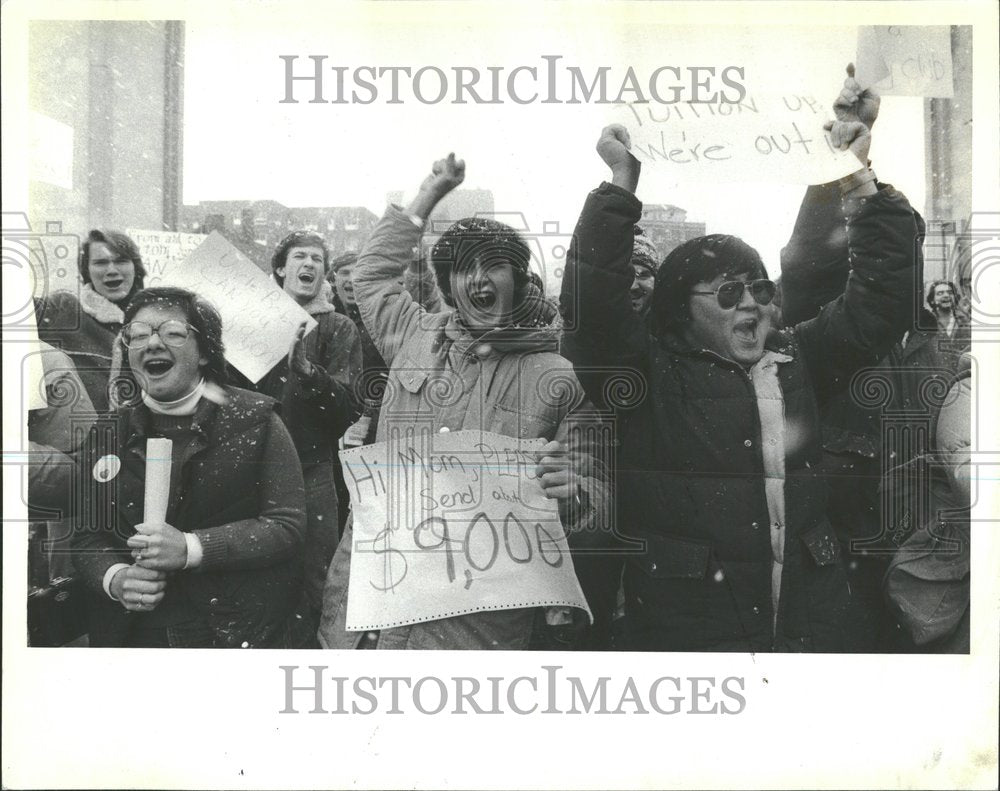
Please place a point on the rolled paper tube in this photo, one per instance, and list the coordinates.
(158, 452)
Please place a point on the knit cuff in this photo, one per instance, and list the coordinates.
(213, 551)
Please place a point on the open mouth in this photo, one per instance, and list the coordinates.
(746, 330)
(157, 367)
(307, 278)
(484, 300)
(113, 283)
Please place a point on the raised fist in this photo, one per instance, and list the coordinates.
(613, 146)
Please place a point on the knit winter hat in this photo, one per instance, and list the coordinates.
(644, 252)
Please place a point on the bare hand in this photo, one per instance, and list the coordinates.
(158, 546)
(446, 174)
(614, 145)
(555, 472)
(298, 363)
(139, 589)
(855, 103)
(851, 136)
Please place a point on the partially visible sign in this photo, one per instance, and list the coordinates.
(162, 249)
(259, 320)
(906, 60)
(762, 138)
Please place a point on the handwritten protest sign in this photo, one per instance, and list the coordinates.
(906, 60)
(762, 138)
(258, 319)
(448, 524)
(162, 249)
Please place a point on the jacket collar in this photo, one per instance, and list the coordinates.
(102, 309)
(777, 347)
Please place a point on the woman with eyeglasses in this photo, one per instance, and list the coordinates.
(717, 448)
(85, 326)
(224, 568)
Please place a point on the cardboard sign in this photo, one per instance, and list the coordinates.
(162, 249)
(259, 320)
(762, 138)
(906, 60)
(449, 524)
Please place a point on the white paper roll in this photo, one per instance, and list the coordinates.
(158, 452)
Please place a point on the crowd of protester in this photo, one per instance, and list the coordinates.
(739, 505)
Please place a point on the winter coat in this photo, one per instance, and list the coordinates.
(55, 432)
(85, 329)
(714, 473)
(238, 487)
(319, 408)
(510, 381)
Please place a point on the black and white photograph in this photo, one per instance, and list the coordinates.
(637, 359)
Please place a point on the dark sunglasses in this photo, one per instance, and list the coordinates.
(730, 293)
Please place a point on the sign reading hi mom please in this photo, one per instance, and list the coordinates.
(449, 524)
(762, 138)
(259, 320)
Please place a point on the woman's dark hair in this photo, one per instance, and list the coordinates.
(201, 315)
(697, 261)
(120, 244)
(933, 287)
(298, 239)
(479, 239)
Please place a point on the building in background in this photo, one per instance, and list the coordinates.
(667, 226)
(256, 227)
(106, 116)
(457, 205)
(948, 168)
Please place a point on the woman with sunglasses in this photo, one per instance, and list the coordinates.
(224, 568)
(715, 450)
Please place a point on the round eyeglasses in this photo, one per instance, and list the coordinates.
(173, 333)
(730, 293)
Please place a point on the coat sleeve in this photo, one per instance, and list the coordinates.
(278, 532)
(814, 262)
(860, 326)
(336, 370)
(602, 332)
(386, 307)
(422, 287)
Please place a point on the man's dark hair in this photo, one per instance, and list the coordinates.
(697, 261)
(933, 287)
(201, 315)
(484, 240)
(119, 244)
(298, 239)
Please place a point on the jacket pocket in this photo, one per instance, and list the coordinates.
(511, 421)
(671, 557)
(822, 545)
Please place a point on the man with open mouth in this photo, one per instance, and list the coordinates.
(715, 450)
(85, 325)
(315, 386)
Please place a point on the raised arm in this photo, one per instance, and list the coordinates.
(602, 330)
(876, 307)
(387, 309)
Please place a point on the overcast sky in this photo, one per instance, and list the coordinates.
(538, 159)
